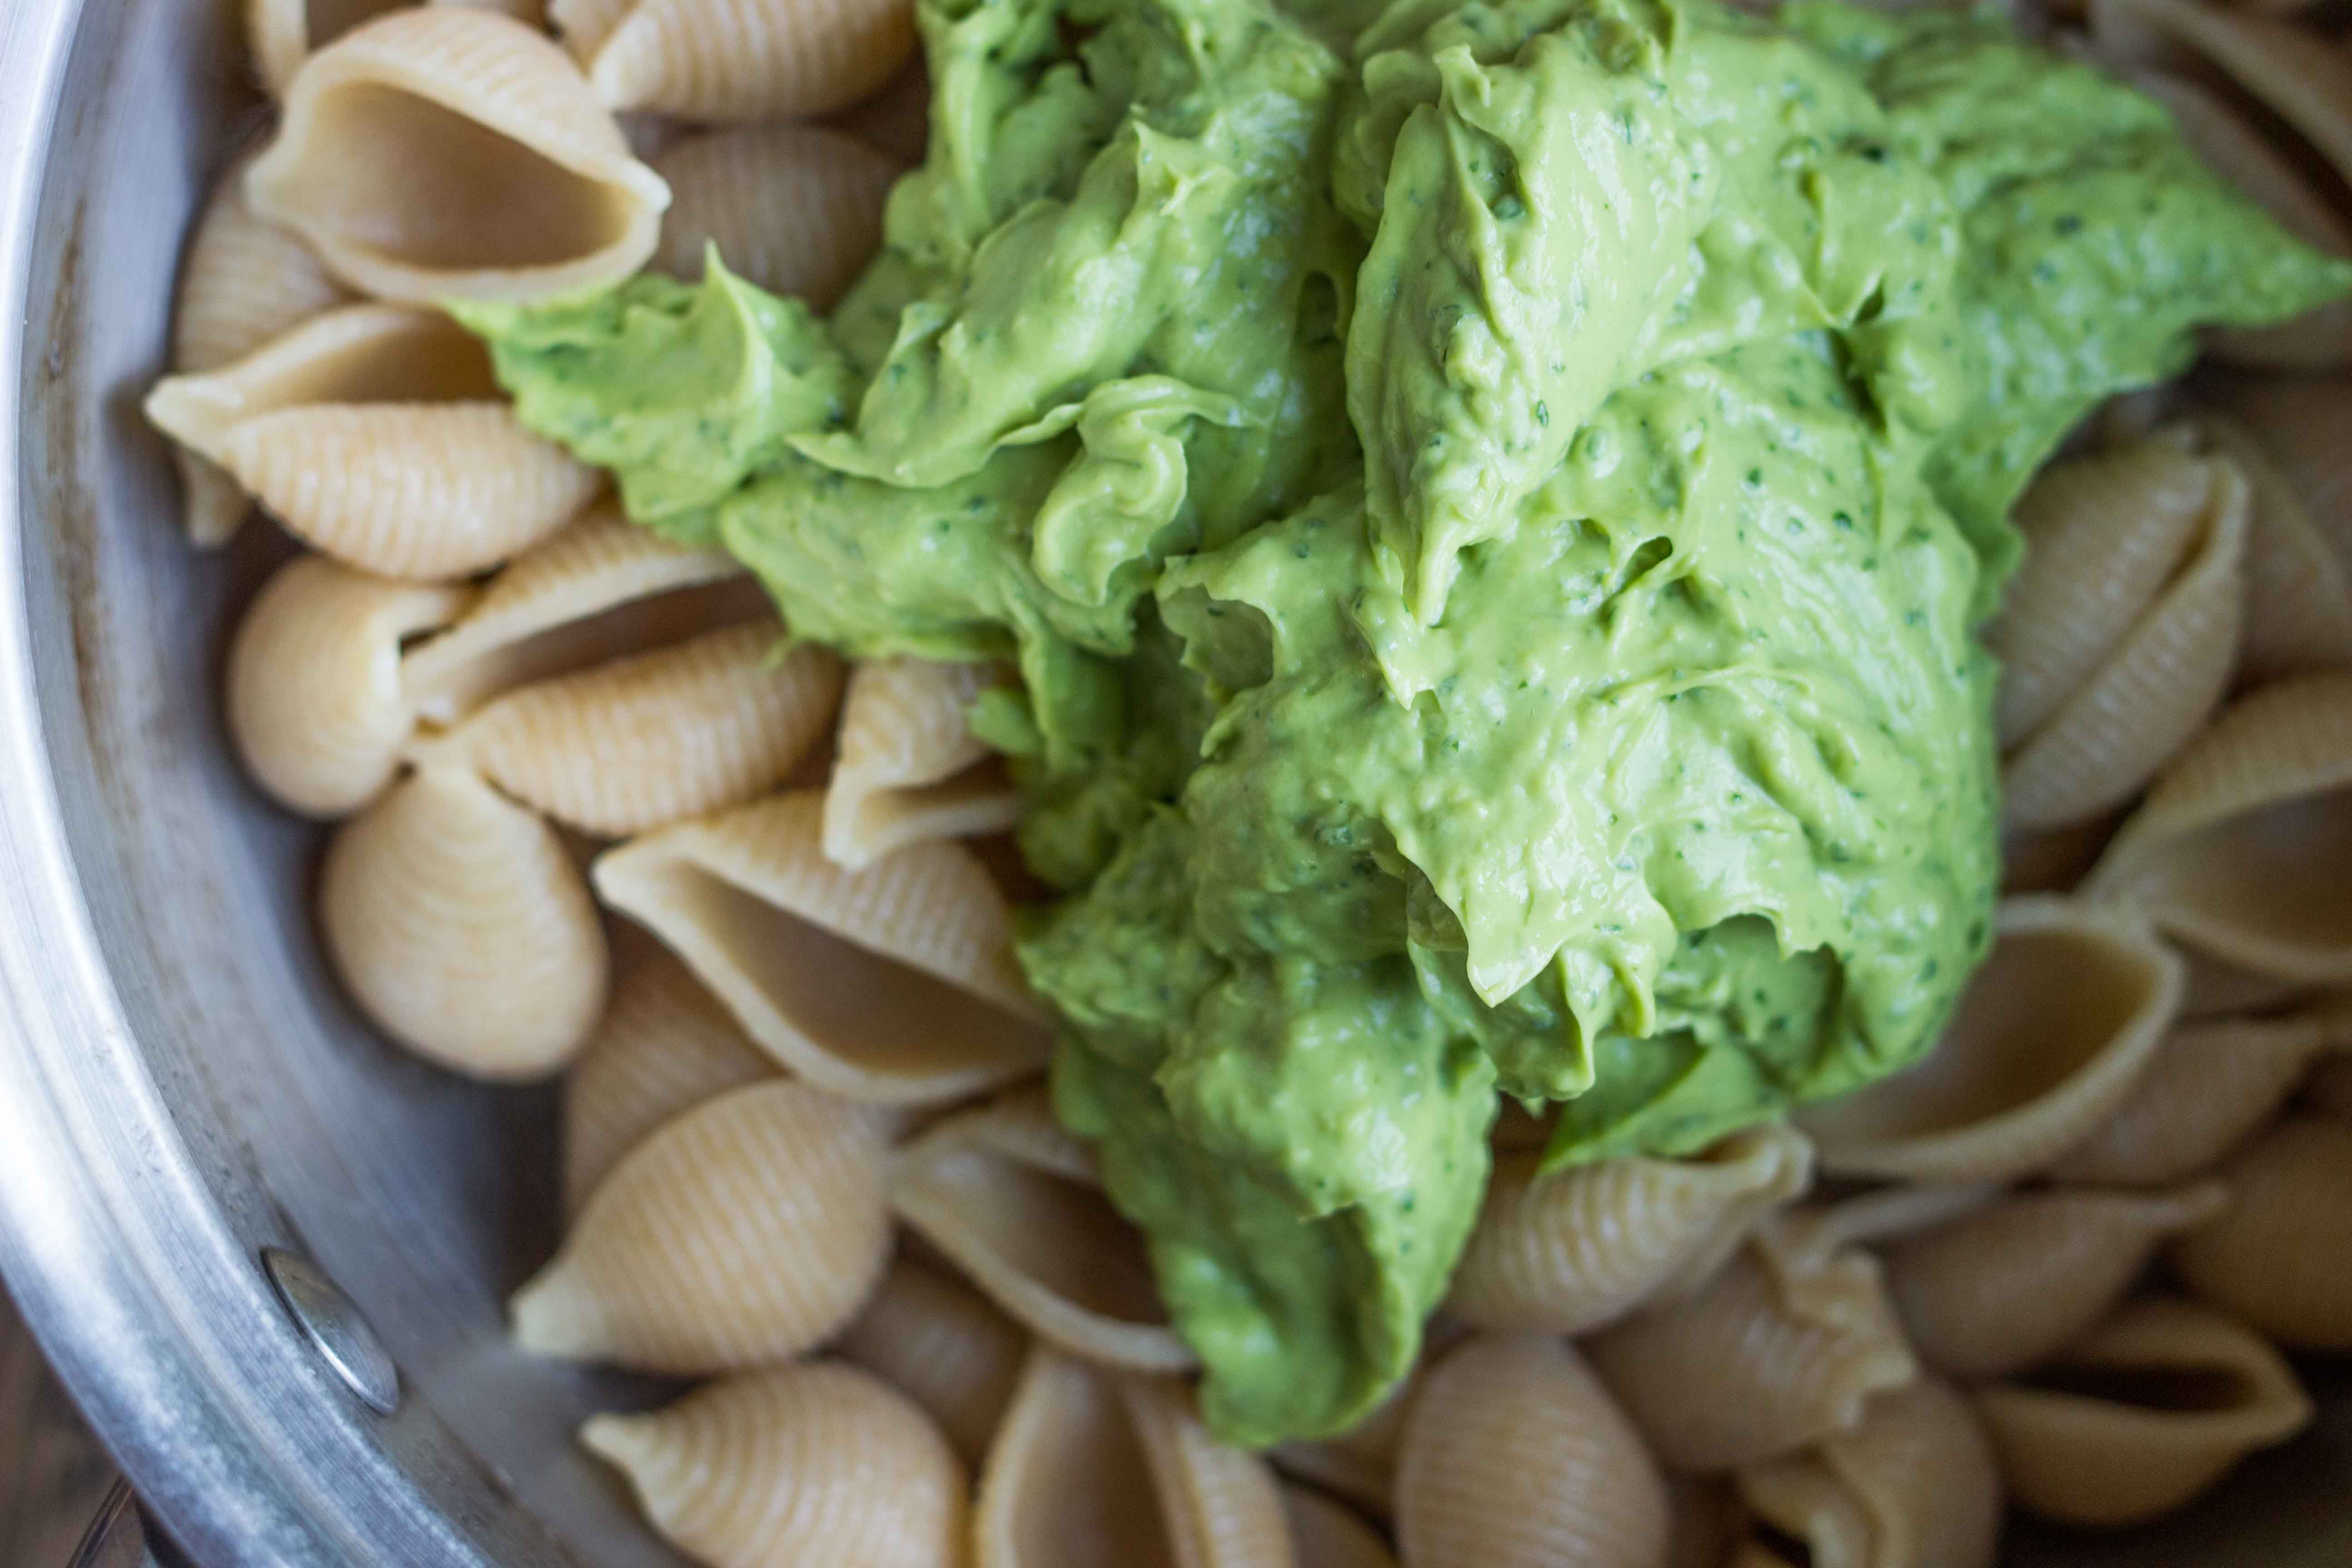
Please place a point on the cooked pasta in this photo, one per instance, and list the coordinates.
(282, 33)
(1468, 1496)
(1360, 1463)
(2297, 591)
(796, 209)
(462, 928)
(907, 768)
(2277, 1256)
(2299, 423)
(814, 1463)
(945, 1346)
(1326, 1535)
(446, 151)
(748, 1231)
(1799, 1245)
(735, 59)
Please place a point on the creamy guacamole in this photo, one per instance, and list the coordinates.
(1490, 503)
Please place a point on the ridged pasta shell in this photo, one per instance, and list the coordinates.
(2050, 1036)
(377, 435)
(1099, 1470)
(2296, 586)
(736, 59)
(1013, 1201)
(314, 700)
(2111, 734)
(1569, 1252)
(446, 151)
(748, 1231)
(1996, 1292)
(906, 766)
(945, 1346)
(647, 740)
(243, 282)
(2209, 1085)
(801, 1465)
(665, 1047)
(895, 118)
(796, 209)
(894, 985)
(1915, 1486)
(1746, 1370)
(2280, 1256)
(1516, 1457)
(1326, 1535)
(598, 589)
(462, 928)
(1800, 1246)
(2299, 421)
(2140, 1414)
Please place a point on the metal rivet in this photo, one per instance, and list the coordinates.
(334, 1328)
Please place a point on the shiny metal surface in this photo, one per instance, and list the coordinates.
(181, 1087)
(336, 1329)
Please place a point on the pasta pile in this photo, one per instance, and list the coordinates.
(807, 1152)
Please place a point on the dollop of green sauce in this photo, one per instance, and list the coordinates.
(1490, 502)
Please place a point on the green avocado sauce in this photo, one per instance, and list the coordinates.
(1491, 503)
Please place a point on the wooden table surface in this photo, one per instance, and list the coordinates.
(52, 1474)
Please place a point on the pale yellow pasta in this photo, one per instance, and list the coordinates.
(1748, 1370)
(796, 209)
(698, 726)
(945, 1346)
(736, 59)
(818, 1463)
(463, 929)
(242, 282)
(282, 33)
(748, 1231)
(446, 151)
(907, 767)
(2280, 1256)
(2140, 1415)
(665, 1047)
(1800, 1245)
(314, 700)
(1914, 1486)
(1097, 1469)
(894, 985)
(2299, 423)
(1014, 1201)
(377, 433)
(1997, 1291)
(1327, 1534)
(2050, 1037)
(1569, 1252)
(1516, 1457)
(2244, 848)
(2299, 598)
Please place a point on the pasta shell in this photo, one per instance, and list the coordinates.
(1014, 1201)
(2155, 687)
(243, 282)
(814, 1463)
(1800, 1246)
(282, 33)
(1571, 1251)
(377, 435)
(314, 700)
(907, 767)
(1915, 1486)
(897, 117)
(2240, 849)
(1326, 1535)
(1096, 1469)
(647, 740)
(449, 152)
(748, 1231)
(2209, 1085)
(736, 59)
(945, 1346)
(2280, 1256)
(1746, 1370)
(2050, 1037)
(797, 209)
(2292, 578)
(463, 929)
(2140, 1415)
(1998, 1290)
(1361, 1464)
(1469, 1497)
(2299, 422)
(598, 589)
(894, 985)
(665, 1047)
(2213, 989)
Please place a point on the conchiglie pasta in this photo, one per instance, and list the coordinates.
(2299, 423)
(907, 767)
(314, 699)
(796, 209)
(1914, 1486)
(1360, 1463)
(1014, 1201)
(945, 1346)
(444, 152)
(736, 59)
(2299, 597)
(282, 33)
(2280, 1256)
(801, 1465)
(1516, 1457)
(377, 435)
(463, 929)
(894, 985)
(1325, 1534)
(748, 1231)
